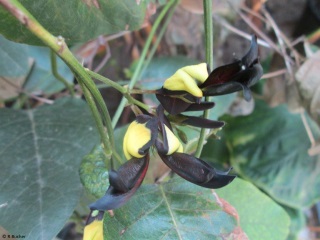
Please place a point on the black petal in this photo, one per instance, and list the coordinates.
(236, 76)
(123, 184)
(151, 124)
(196, 171)
(241, 81)
(200, 106)
(222, 74)
(202, 122)
(195, 121)
(172, 105)
(252, 55)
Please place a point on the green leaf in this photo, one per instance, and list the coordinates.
(159, 69)
(40, 151)
(298, 223)
(40, 78)
(260, 217)
(216, 151)
(94, 172)
(173, 210)
(13, 68)
(270, 148)
(75, 20)
(223, 104)
(13, 58)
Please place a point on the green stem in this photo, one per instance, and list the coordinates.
(207, 9)
(55, 72)
(95, 113)
(120, 88)
(138, 69)
(58, 45)
(102, 85)
(159, 36)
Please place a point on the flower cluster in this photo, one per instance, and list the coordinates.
(181, 92)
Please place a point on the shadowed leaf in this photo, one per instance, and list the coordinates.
(40, 157)
(76, 21)
(174, 210)
(270, 147)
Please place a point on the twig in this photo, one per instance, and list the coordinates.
(163, 176)
(274, 74)
(243, 34)
(276, 30)
(259, 32)
(314, 149)
(290, 45)
(105, 58)
(55, 73)
(32, 95)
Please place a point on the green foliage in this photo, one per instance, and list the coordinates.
(77, 21)
(14, 59)
(41, 150)
(173, 210)
(94, 172)
(260, 217)
(298, 222)
(270, 148)
(33, 65)
(41, 78)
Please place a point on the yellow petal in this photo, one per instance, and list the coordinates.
(198, 72)
(174, 144)
(93, 231)
(135, 138)
(182, 81)
(187, 79)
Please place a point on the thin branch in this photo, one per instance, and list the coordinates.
(276, 30)
(274, 74)
(243, 34)
(208, 27)
(142, 58)
(55, 73)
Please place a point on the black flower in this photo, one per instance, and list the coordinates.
(236, 76)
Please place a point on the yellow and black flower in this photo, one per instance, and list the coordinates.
(183, 90)
(147, 131)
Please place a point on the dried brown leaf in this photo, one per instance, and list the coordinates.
(308, 81)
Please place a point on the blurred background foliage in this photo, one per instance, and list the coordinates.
(272, 142)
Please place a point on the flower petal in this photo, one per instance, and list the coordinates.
(252, 55)
(140, 135)
(222, 74)
(172, 105)
(174, 145)
(123, 184)
(196, 170)
(182, 81)
(199, 72)
(236, 76)
(93, 231)
(200, 106)
(241, 81)
(202, 122)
